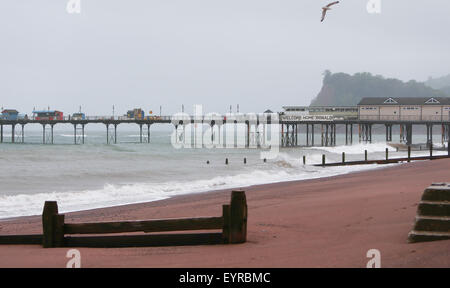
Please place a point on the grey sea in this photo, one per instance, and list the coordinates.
(97, 175)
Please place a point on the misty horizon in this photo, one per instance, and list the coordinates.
(258, 54)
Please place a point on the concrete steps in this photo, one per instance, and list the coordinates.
(433, 208)
(433, 215)
(423, 236)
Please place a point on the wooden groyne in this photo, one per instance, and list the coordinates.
(387, 160)
(232, 223)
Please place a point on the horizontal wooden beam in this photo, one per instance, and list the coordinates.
(163, 225)
(21, 239)
(144, 240)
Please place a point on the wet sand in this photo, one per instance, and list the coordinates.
(329, 222)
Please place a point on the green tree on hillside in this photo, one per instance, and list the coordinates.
(341, 89)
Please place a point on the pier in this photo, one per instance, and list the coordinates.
(111, 123)
(291, 130)
(294, 131)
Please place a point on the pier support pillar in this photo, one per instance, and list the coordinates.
(212, 133)
(388, 132)
(140, 133)
(23, 133)
(366, 133)
(1, 133)
(346, 134)
(43, 133)
(334, 134)
(115, 133)
(401, 133)
(74, 133)
(351, 134)
(247, 125)
(307, 135)
(111, 138)
(51, 133)
(82, 133)
(296, 135)
(321, 135)
(148, 133)
(107, 133)
(409, 134)
(13, 133)
(359, 133)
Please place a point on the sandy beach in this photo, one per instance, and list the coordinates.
(329, 222)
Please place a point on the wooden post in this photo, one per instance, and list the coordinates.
(226, 224)
(304, 160)
(409, 153)
(343, 157)
(48, 224)
(238, 217)
(58, 222)
(387, 154)
(245, 160)
(431, 150)
(226, 161)
(365, 155)
(323, 159)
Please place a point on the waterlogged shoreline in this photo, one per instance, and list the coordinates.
(112, 195)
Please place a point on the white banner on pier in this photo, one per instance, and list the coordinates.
(307, 118)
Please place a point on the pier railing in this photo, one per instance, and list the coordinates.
(233, 224)
(110, 118)
(412, 118)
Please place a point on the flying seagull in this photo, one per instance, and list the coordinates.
(326, 8)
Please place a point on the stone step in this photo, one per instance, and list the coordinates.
(423, 236)
(433, 208)
(432, 223)
(437, 192)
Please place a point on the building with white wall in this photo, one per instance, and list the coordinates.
(406, 109)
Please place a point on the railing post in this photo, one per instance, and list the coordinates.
(409, 153)
(304, 160)
(365, 155)
(387, 154)
(323, 159)
(431, 151)
(343, 157)
(238, 217)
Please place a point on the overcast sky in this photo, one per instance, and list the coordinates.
(256, 53)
